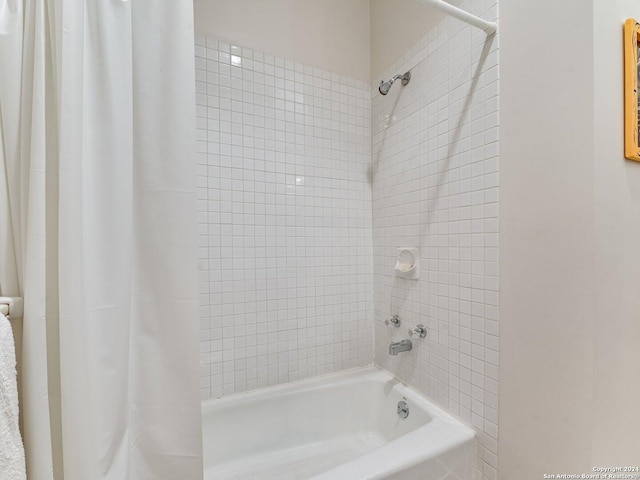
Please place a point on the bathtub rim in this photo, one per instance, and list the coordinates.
(343, 377)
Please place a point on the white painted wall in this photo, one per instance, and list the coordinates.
(356, 38)
(329, 34)
(547, 243)
(617, 240)
(396, 26)
(570, 263)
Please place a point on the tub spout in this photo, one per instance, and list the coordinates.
(397, 347)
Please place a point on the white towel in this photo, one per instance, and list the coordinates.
(12, 466)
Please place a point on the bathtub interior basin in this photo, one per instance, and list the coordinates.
(339, 426)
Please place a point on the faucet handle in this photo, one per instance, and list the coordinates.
(418, 332)
(393, 321)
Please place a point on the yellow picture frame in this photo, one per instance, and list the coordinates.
(631, 93)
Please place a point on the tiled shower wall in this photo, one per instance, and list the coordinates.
(284, 217)
(435, 187)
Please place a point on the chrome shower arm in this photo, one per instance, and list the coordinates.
(405, 78)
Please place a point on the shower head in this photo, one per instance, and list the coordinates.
(386, 86)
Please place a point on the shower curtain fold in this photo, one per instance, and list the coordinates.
(107, 233)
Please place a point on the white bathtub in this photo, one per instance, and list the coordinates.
(342, 426)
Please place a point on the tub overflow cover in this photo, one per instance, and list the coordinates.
(403, 409)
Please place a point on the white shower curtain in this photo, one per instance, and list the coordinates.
(99, 234)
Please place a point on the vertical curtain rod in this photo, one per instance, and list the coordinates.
(488, 27)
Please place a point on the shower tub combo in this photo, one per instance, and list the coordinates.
(354, 425)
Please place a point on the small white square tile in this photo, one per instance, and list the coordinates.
(281, 178)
